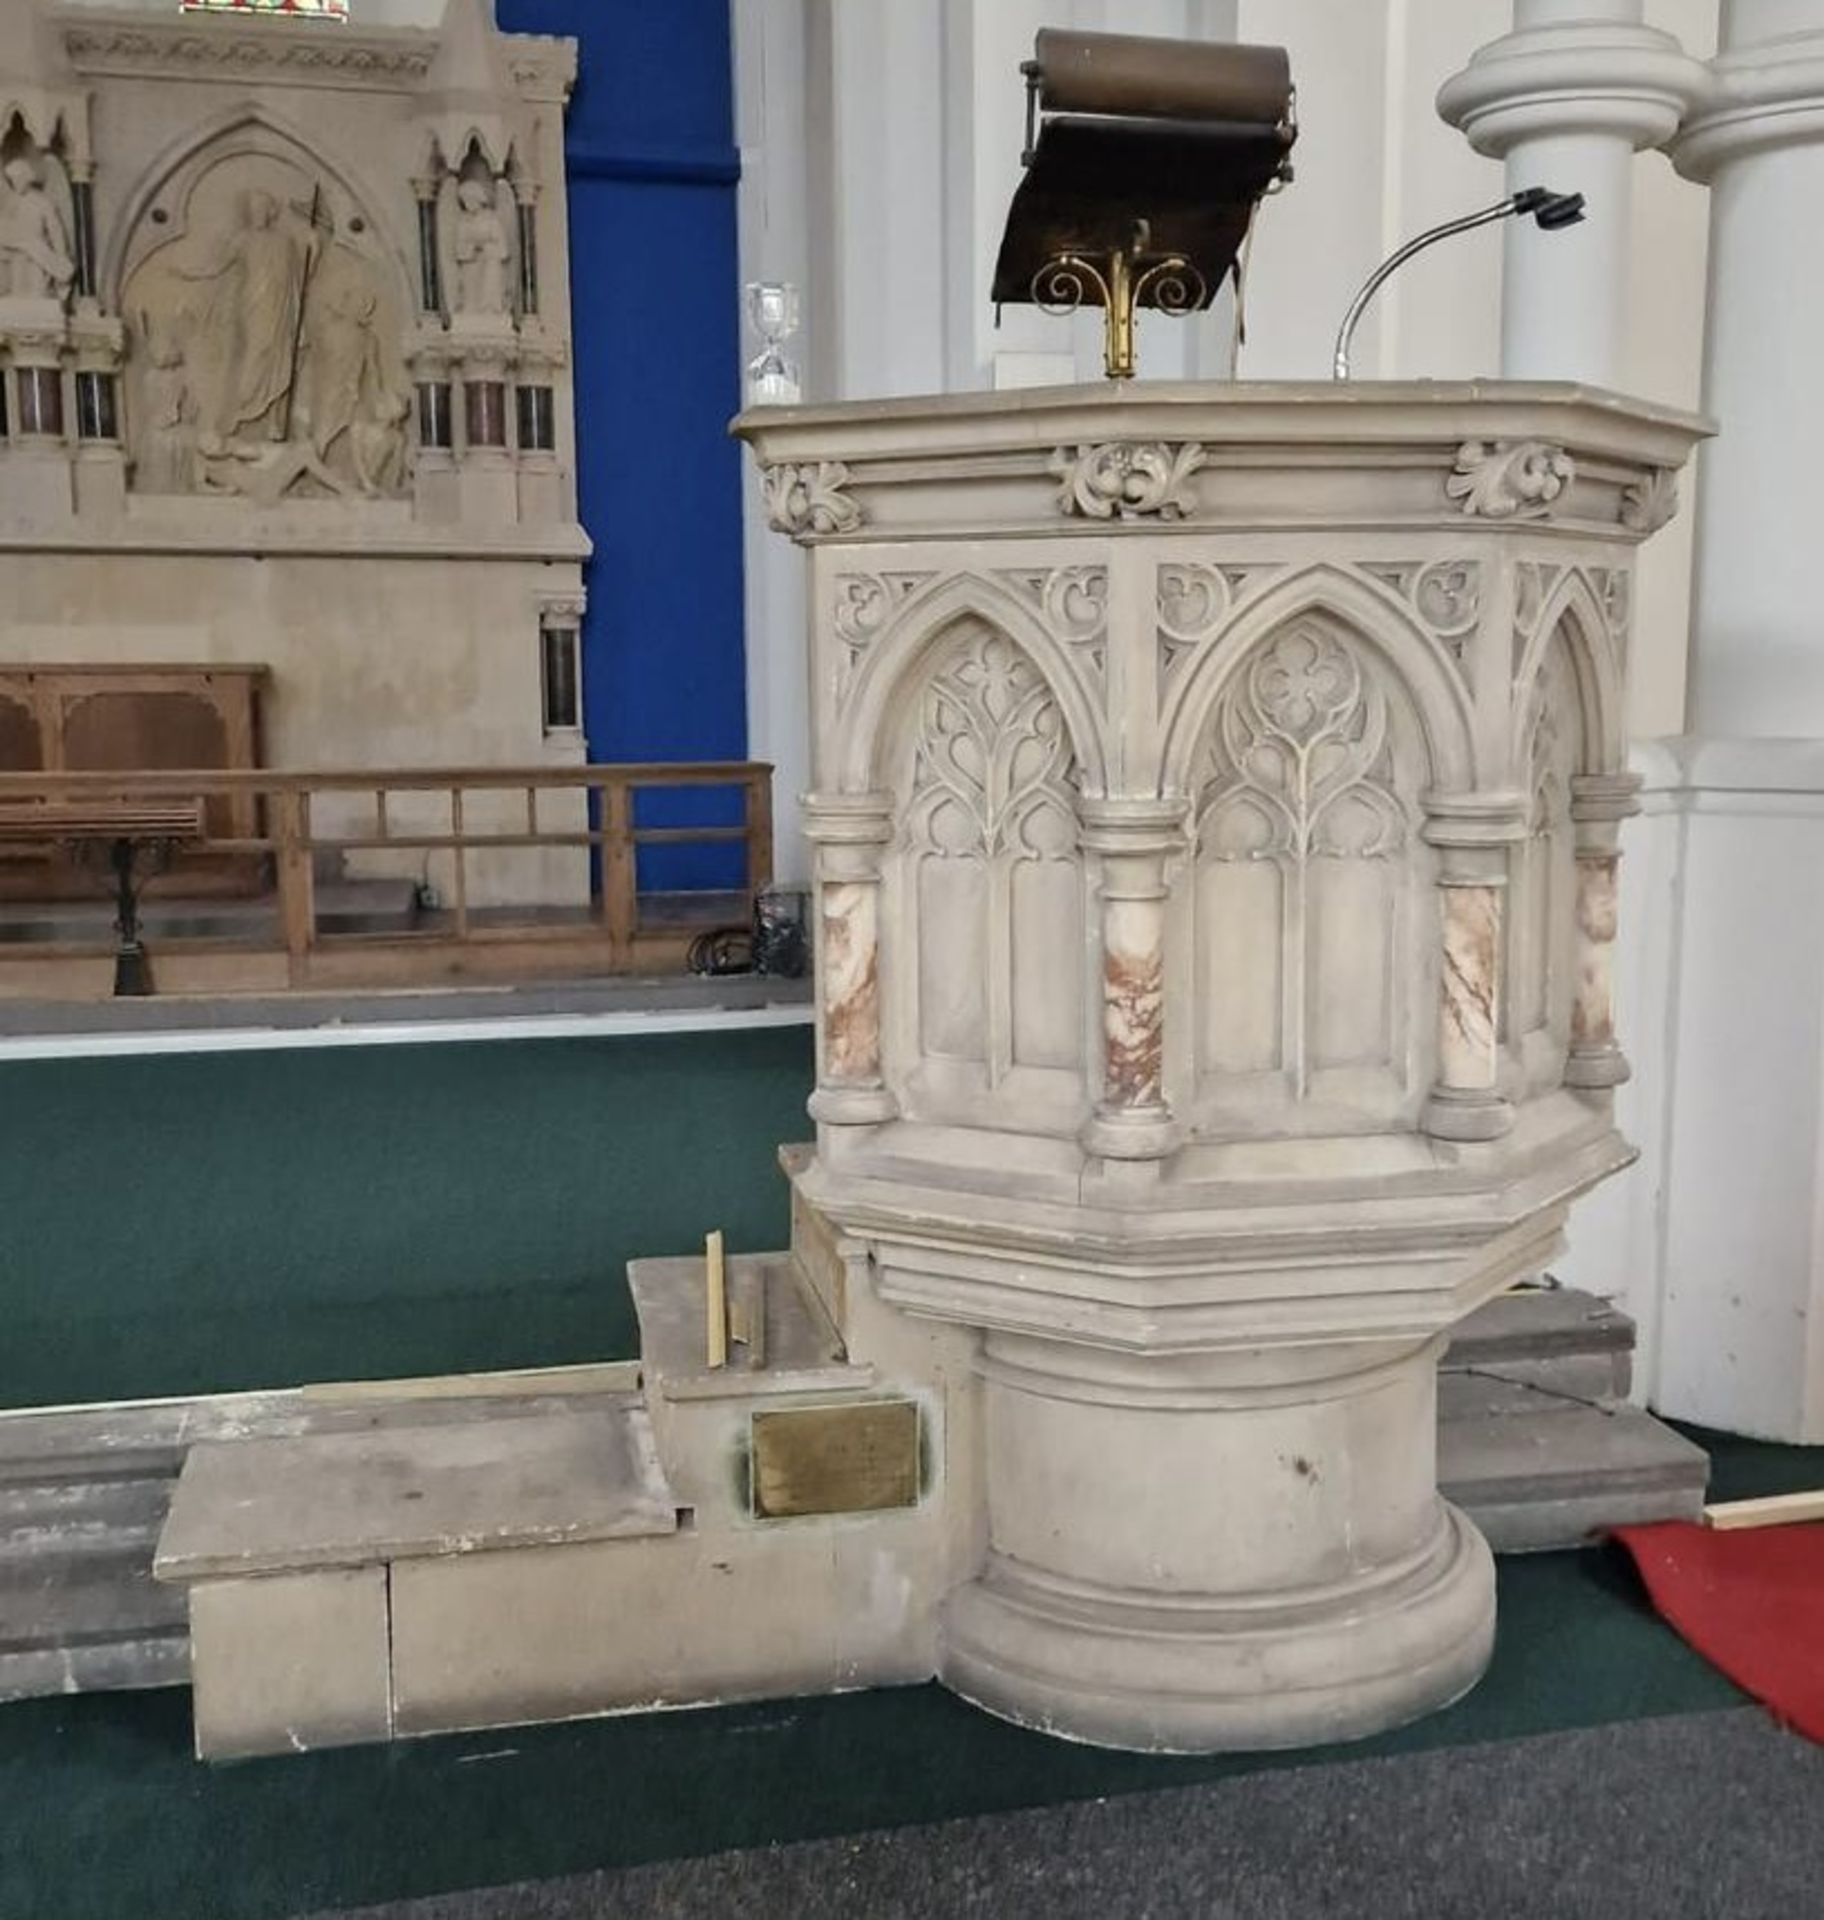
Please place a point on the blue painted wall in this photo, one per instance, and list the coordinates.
(655, 291)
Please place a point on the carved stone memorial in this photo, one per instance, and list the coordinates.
(284, 327)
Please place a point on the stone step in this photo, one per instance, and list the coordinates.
(38, 1512)
(123, 1663)
(1556, 1338)
(1538, 1480)
(84, 1493)
(71, 1624)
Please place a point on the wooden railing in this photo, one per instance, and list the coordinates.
(512, 872)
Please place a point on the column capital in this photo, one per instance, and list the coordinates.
(1475, 819)
(1754, 98)
(1139, 826)
(1588, 76)
(1604, 796)
(848, 819)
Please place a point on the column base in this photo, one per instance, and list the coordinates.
(1158, 1673)
(1600, 1067)
(1451, 1115)
(1132, 1133)
(852, 1106)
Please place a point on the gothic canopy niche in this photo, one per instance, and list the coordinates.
(264, 320)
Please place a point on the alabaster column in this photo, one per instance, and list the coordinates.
(1599, 804)
(1467, 1102)
(1238, 1549)
(849, 833)
(1134, 839)
(1567, 99)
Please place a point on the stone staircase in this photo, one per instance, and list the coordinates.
(1535, 1441)
(79, 1609)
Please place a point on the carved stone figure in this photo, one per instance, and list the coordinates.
(249, 335)
(482, 249)
(167, 457)
(266, 353)
(35, 258)
(343, 384)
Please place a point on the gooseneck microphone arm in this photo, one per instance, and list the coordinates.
(1551, 210)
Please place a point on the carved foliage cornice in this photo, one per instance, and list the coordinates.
(1128, 480)
(1650, 501)
(228, 49)
(1510, 479)
(810, 500)
(543, 67)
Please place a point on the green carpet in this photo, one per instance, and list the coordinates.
(208, 1222)
(106, 1815)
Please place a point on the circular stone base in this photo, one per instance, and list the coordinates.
(1162, 1673)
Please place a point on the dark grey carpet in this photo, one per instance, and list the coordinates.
(1703, 1816)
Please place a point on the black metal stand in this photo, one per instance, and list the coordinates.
(132, 970)
(132, 966)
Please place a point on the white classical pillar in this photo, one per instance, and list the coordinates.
(1757, 138)
(1741, 1306)
(1566, 100)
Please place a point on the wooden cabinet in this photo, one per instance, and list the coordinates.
(58, 718)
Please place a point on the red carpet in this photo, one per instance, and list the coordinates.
(1751, 1602)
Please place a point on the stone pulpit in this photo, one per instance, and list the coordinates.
(1216, 805)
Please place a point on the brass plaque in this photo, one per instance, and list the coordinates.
(861, 1457)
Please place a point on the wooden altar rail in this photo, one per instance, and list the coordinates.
(310, 822)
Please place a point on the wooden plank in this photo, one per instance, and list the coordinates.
(297, 881)
(102, 820)
(587, 1377)
(1770, 1510)
(715, 1301)
(620, 873)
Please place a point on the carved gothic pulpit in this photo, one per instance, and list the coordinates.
(1216, 800)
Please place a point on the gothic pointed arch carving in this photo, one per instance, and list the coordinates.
(1379, 618)
(249, 125)
(890, 655)
(1573, 615)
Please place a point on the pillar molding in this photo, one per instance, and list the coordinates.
(849, 834)
(1566, 100)
(1135, 840)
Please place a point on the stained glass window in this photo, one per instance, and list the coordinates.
(312, 9)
